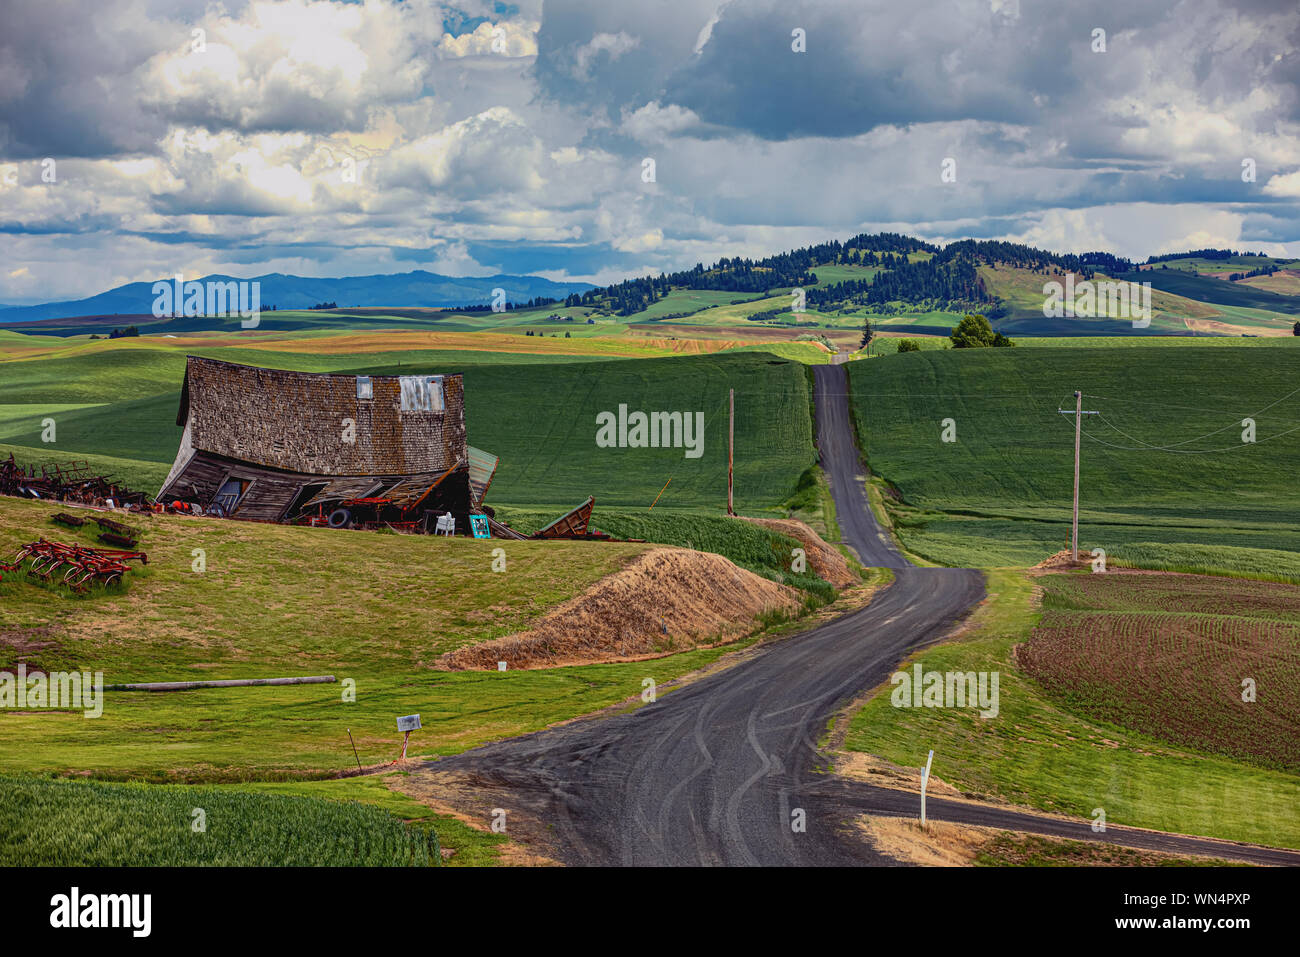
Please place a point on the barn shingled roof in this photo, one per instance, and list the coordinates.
(295, 421)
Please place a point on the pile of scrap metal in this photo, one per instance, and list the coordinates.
(72, 482)
(574, 524)
(81, 567)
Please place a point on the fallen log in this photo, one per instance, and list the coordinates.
(121, 541)
(231, 683)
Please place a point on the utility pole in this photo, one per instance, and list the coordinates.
(731, 451)
(1078, 433)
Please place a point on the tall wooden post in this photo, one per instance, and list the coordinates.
(731, 451)
(1074, 525)
(1079, 413)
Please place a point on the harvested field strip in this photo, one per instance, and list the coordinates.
(1173, 656)
(664, 601)
(1187, 594)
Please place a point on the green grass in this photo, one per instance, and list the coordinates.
(1231, 264)
(462, 845)
(686, 301)
(1218, 291)
(273, 597)
(376, 610)
(933, 318)
(137, 474)
(813, 504)
(93, 824)
(750, 546)
(1000, 495)
(1038, 754)
(1156, 342)
(723, 311)
(840, 272)
(539, 417)
(542, 423)
(806, 352)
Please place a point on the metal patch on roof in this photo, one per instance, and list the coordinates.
(422, 393)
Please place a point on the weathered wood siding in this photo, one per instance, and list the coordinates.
(301, 421)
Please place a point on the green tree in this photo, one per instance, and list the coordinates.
(972, 332)
(1295, 330)
(908, 345)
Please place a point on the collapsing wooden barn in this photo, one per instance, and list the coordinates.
(344, 450)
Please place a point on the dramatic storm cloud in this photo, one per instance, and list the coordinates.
(140, 139)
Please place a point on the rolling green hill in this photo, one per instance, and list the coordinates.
(1218, 291)
(542, 422)
(1165, 470)
(539, 417)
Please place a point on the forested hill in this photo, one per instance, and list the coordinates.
(782, 271)
(905, 269)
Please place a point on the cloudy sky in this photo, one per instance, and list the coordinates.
(141, 138)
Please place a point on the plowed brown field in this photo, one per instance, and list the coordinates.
(1173, 656)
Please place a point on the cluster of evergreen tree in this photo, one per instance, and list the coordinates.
(994, 252)
(540, 302)
(1258, 271)
(1211, 254)
(946, 283)
(890, 243)
(126, 333)
(727, 275)
(948, 279)
(788, 269)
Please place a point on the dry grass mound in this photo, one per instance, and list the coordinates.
(1061, 561)
(824, 559)
(665, 600)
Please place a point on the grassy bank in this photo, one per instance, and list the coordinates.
(1039, 754)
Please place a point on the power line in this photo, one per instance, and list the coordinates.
(1227, 448)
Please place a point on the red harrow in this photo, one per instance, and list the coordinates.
(81, 567)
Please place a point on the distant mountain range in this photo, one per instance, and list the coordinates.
(408, 289)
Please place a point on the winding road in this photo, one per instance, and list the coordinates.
(726, 770)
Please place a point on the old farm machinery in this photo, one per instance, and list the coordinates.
(75, 566)
(68, 482)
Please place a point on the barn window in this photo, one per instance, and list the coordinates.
(422, 393)
(229, 495)
(364, 389)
